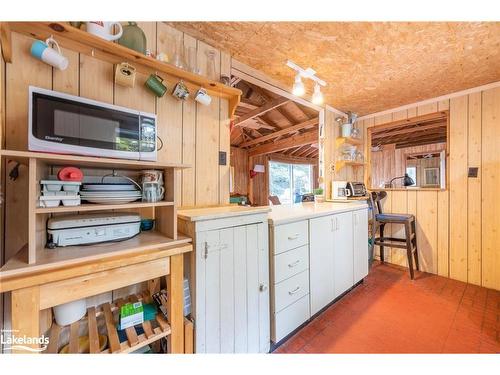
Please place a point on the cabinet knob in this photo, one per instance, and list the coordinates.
(262, 287)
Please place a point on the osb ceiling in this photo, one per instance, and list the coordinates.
(369, 66)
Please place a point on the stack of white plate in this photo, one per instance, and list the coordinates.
(110, 193)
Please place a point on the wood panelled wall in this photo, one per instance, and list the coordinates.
(191, 133)
(391, 162)
(458, 229)
(239, 163)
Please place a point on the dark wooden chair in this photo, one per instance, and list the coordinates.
(380, 220)
(274, 200)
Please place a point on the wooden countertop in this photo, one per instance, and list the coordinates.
(59, 264)
(284, 214)
(209, 213)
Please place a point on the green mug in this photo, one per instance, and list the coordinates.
(155, 84)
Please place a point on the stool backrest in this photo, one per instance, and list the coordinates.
(376, 198)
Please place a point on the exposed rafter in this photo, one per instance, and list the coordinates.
(303, 125)
(260, 110)
(296, 140)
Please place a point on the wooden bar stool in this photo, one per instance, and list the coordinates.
(380, 220)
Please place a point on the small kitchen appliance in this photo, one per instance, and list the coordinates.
(340, 191)
(356, 189)
(92, 228)
(68, 124)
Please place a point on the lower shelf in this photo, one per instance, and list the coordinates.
(105, 315)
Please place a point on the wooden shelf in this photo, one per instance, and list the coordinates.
(101, 207)
(349, 140)
(342, 163)
(60, 257)
(91, 45)
(89, 161)
(153, 329)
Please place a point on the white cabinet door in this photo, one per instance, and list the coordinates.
(321, 262)
(342, 249)
(232, 294)
(360, 239)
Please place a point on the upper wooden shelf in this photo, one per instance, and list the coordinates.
(352, 141)
(91, 45)
(88, 161)
(342, 163)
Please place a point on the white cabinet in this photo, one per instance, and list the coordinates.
(360, 225)
(231, 274)
(321, 260)
(343, 253)
(338, 255)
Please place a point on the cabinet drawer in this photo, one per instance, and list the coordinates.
(290, 263)
(290, 290)
(290, 318)
(290, 236)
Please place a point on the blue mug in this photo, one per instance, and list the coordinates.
(49, 55)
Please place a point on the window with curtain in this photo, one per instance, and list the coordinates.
(290, 181)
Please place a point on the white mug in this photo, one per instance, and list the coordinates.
(50, 53)
(104, 29)
(202, 97)
(152, 192)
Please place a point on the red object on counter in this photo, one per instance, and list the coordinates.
(70, 174)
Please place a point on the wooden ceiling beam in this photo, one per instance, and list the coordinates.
(291, 159)
(291, 129)
(390, 133)
(261, 110)
(296, 140)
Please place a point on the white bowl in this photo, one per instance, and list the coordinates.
(70, 312)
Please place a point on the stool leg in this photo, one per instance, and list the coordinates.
(409, 254)
(382, 239)
(414, 243)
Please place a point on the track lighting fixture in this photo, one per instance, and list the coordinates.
(298, 88)
(317, 97)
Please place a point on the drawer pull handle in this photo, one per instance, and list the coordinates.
(294, 237)
(292, 292)
(262, 287)
(293, 264)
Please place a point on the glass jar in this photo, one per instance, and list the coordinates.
(211, 72)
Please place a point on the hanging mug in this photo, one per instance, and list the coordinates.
(48, 54)
(203, 97)
(125, 74)
(155, 84)
(181, 92)
(104, 29)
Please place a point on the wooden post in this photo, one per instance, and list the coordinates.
(175, 281)
(25, 314)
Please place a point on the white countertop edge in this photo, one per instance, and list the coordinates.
(294, 213)
(221, 212)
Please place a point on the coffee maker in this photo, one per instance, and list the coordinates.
(340, 190)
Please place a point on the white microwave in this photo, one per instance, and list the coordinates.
(68, 124)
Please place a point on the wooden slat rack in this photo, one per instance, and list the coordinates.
(153, 330)
(91, 45)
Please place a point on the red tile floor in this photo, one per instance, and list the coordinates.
(389, 313)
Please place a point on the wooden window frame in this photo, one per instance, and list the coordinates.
(409, 121)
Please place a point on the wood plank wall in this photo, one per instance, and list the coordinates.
(239, 161)
(191, 133)
(458, 228)
(391, 162)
